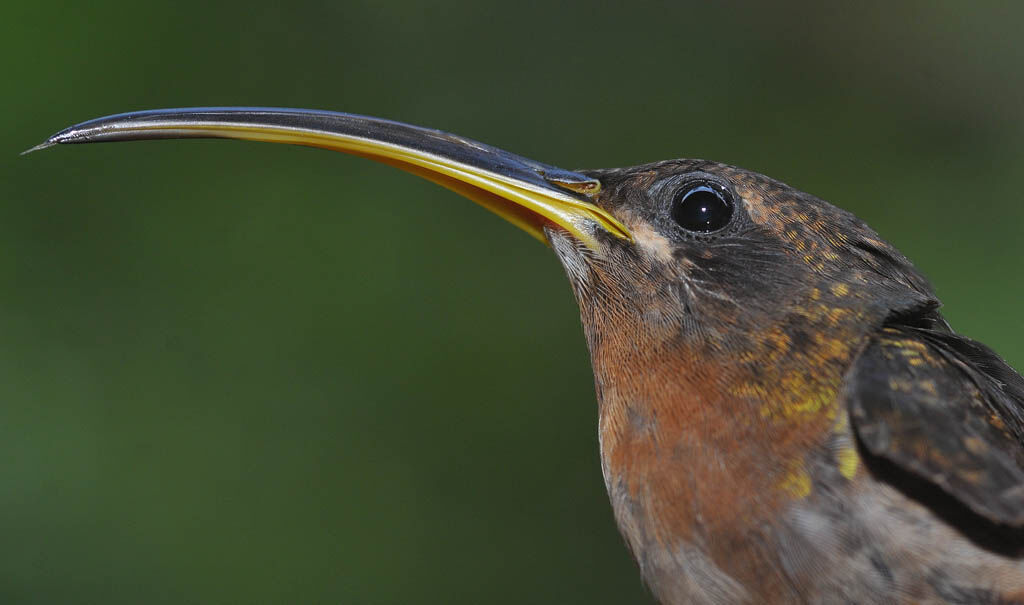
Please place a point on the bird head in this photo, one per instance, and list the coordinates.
(717, 253)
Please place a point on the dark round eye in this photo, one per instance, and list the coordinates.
(703, 208)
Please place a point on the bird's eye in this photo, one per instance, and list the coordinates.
(702, 207)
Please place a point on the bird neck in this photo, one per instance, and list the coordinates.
(704, 440)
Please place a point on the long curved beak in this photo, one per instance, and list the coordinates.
(528, 194)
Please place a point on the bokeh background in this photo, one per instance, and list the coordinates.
(247, 373)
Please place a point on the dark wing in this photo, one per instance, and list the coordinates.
(947, 409)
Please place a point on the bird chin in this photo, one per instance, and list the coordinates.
(575, 256)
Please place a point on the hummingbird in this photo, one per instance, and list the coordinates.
(784, 415)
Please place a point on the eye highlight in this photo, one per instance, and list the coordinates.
(702, 207)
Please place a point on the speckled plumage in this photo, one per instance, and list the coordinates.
(784, 414)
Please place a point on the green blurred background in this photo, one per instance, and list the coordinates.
(247, 373)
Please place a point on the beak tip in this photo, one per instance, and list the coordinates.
(52, 141)
(44, 145)
(68, 135)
